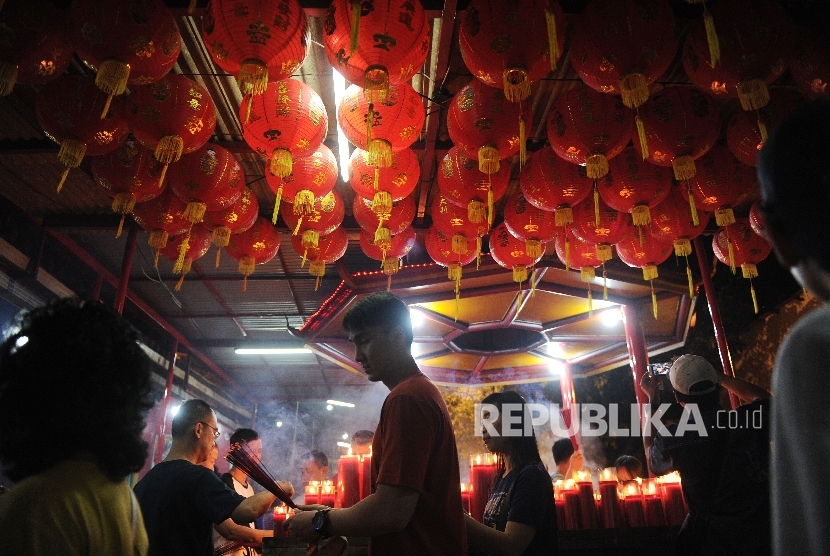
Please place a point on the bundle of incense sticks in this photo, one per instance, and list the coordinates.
(227, 548)
(242, 458)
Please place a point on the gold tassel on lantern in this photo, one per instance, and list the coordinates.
(182, 253)
(298, 226)
(488, 160)
(169, 149)
(357, 6)
(689, 277)
(553, 39)
(70, 154)
(490, 201)
(682, 247)
(522, 142)
(304, 202)
(749, 270)
(724, 216)
(641, 135)
(640, 215)
(194, 212)
(604, 283)
(563, 215)
(596, 205)
(684, 167)
(459, 244)
(246, 268)
(310, 240)
(382, 204)
(390, 267)
(596, 165)
(567, 253)
(711, 38)
(478, 253)
(533, 248)
(762, 129)
(370, 122)
(183, 271)
(158, 239)
(253, 77)
(317, 268)
(112, 78)
(730, 248)
(533, 282)
(476, 212)
(634, 89)
(376, 181)
(516, 84)
(376, 84)
(693, 207)
(650, 272)
(277, 205)
(653, 300)
(380, 152)
(123, 204)
(383, 238)
(604, 252)
(586, 274)
(454, 274)
(8, 77)
(519, 275)
(282, 163)
(220, 237)
(753, 94)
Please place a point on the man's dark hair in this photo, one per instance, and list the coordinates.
(243, 436)
(379, 309)
(631, 464)
(794, 173)
(523, 449)
(363, 437)
(318, 457)
(709, 400)
(74, 382)
(562, 449)
(190, 412)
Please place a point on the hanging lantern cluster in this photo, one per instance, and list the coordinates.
(257, 245)
(390, 258)
(330, 249)
(634, 186)
(384, 226)
(464, 185)
(256, 41)
(721, 184)
(237, 218)
(311, 177)
(739, 246)
(454, 221)
(535, 226)
(209, 179)
(511, 253)
(551, 184)
(384, 186)
(326, 216)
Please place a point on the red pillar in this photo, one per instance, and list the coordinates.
(714, 311)
(635, 339)
(165, 402)
(566, 385)
(126, 266)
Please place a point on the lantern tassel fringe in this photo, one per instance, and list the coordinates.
(380, 151)
(253, 77)
(684, 167)
(690, 278)
(488, 160)
(641, 136)
(354, 37)
(753, 94)
(553, 38)
(277, 202)
(477, 212)
(712, 38)
(194, 212)
(112, 78)
(634, 89)
(282, 163)
(304, 202)
(596, 165)
(724, 217)
(693, 207)
(640, 215)
(522, 142)
(596, 205)
(516, 83)
(604, 252)
(563, 216)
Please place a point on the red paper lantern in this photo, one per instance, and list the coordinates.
(163, 218)
(185, 249)
(462, 183)
(311, 177)
(551, 184)
(440, 247)
(173, 116)
(328, 213)
(455, 223)
(287, 122)
(722, 183)
(747, 131)
(576, 253)
(399, 219)
(529, 223)
(384, 185)
(613, 227)
(757, 221)
(482, 123)
(620, 47)
(679, 126)
(738, 246)
(35, 47)
(132, 43)
(235, 219)
(590, 128)
(634, 186)
(511, 253)
(381, 45)
(390, 258)
(645, 252)
(69, 112)
(810, 63)
(256, 41)
(508, 45)
(330, 249)
(209, 179)
(753, 40)
(257, 245)
(381, 128)
(130, 174)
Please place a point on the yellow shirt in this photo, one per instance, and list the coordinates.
(71, 509)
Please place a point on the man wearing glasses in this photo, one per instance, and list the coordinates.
(181, 500)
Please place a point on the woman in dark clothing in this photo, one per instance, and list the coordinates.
(520, 516)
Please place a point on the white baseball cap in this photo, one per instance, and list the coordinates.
(689, 370)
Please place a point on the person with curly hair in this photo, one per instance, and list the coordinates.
(74, 394)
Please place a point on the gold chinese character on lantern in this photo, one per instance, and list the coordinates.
(195, 125)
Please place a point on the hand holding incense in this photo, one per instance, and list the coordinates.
(242, 458)
(227, 548)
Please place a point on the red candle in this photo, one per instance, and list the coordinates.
(348, 481)
(482, 472)
(587, 505)
(280, 515)
(609, 505)
(653, 504)
(466, 493)
(673, 505)
(327, 494)
(365, 475)
(561, 518)
(312, 492)
(633, 506)
(573, 515)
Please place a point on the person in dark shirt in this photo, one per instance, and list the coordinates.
(722, 457)
(520, 516)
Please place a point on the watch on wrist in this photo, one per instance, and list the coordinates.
(320, 522)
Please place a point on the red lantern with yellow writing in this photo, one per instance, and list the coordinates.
(390, 258)
(576, 253)
(208, 179)
(551, 184)
(620, 47)
(589, 128)
(510, 45)
(384, 185)
(646, 252)
(163, 217)
(753, 39)
(738, 246)
(287, 122)
(330, 249)
(328, 213)
(133, 43)
(680, 125)
(69, 112)
(173, 116)
(747, 131)
(613, 227)
(399, 219)
(511, 253)
(634, 186)
(376, 44)
(722, 182)
(235, 219)
(454, 221)
(440, 247)
(256, 41)
(35, 48)
(535, 226)
(464, 185)
(185, 249)
(482, 123)
(311, 177)
(130, 174)
(257, 245)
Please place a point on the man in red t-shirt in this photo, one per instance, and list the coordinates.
(415, 505)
